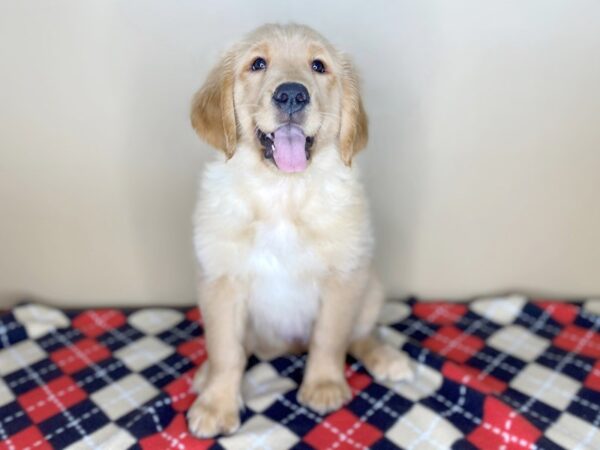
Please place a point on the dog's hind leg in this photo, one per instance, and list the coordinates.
(384, 362)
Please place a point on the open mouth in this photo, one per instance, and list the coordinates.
(288, 147)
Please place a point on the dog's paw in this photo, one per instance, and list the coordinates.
(324, 396)
(385, 363)
(200, 378)
(206, 420)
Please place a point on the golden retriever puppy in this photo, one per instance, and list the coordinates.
(282, 230)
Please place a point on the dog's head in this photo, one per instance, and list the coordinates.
(286, 92)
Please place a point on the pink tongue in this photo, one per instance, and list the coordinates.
(290, 154)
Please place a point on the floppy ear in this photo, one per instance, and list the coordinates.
(212, 113)
(354, 131)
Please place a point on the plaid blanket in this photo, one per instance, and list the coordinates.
(506, 373)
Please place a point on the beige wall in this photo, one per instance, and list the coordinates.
(483, 167)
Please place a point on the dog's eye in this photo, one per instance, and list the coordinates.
(318, 66)
(259, 64)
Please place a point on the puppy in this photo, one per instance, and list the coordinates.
(282, 231)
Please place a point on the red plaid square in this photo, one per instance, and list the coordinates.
(95, 322)
(79, 355)
(440, 313)
(358, 381)
(194, 350)
(342, 430)
(43, 402)
(472, 377)
(593, 379)
(502, 427)
(194, 315)
(454, 343)
(576, 339)
(30, 437)
(180, 391)
(176, 435)
(561, 312)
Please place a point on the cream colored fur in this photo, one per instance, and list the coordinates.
(284, 259)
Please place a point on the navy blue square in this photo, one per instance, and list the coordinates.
(382, 414)
(384, 418)
(216, 446)
(21, 380)
(544, 443)
(252, 361)
(120, 337)
(54, 340)
(463, 444)
(92, 379)
(13, 418)
(585, 320)
(538, 321)
(586, 405)
(296, 417)
(384, 444)
(538, 413)
(167, 370)
(72, 313)
(500, 365)
(363, 401)
(12, 331)
(143, 421)
(451, 394)
(424, 355)
(577, 366)
(477, 325)
(416, 328)
(246, 414)
(184, 331)
(70, 426)
(290, 366)
(302, 446)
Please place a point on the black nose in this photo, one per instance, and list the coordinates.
(291, 97)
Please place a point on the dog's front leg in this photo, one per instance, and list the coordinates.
(324, 387)
(216, 410)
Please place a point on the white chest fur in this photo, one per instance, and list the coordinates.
(280, 236)
(284, 277)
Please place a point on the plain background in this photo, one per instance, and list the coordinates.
(483, 165)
